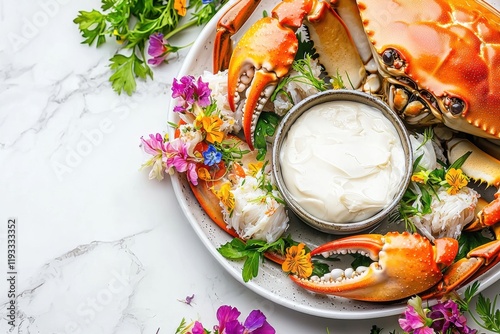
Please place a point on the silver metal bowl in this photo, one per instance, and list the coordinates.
(281, 134)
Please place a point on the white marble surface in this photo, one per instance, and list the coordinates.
(101, 249)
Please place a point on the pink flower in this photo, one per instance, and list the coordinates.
(178, 158)
(159, 49)
(156, 147)
(198, 328)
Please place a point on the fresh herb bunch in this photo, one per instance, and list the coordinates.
(131, 23)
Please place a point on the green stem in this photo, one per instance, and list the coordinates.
(181, 28)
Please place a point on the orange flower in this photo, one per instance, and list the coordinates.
(297, 261)
(204, 174)
(180, 7)
(456, 179)
(211, 125)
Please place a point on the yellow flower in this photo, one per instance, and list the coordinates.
(225, 195)
(255, 167)
(456, 179)
(421, 177)
(297, 261)
(180, 7)
(211, 125)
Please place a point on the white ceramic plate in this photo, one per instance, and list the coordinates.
(271, 282)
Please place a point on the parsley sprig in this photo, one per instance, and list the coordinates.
(130, 23)
(253, 253)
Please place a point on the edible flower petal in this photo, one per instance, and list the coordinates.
(297, 261)
(226, 314)
(212, 125)
(415, 318)
(447, 318)
(225, 195)
(179, 159)
(212, 156)
(180, 7)
(421, 177)
(255, 167)
(156, 147)
(189, 93)
(159, 49)
(256, 323)
(198, 328)
(456, 179)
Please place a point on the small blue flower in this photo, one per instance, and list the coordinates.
(206, 2)
(212, 156)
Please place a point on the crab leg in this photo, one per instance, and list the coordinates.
(478, 261)
(227, 26)
(405, 264)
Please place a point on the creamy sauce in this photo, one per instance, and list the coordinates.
(342, 161)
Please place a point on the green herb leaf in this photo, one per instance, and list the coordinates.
(266, 126)
(320, 268)
(251, 266)
(235, 249)
(92, 26)
(375, 330)
(460, 161)
(468, 241)
(360, 260)
(126, 69)
(488, 313)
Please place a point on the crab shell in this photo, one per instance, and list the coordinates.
(450, 49)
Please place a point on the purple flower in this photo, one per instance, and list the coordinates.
(226, 314)
(188, 92)
(412, 321)
(159, 49)
(178, 158)
(447, 316)
(198, 328)
(212, 156)
(256, 323)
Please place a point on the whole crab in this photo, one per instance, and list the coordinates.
(433, 61)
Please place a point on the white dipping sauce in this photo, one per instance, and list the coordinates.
(342, 161)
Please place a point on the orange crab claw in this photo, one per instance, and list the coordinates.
(264, 54)
(405, 264)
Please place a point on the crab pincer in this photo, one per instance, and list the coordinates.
(403, 264)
